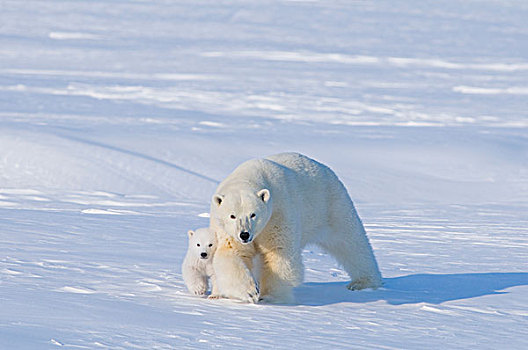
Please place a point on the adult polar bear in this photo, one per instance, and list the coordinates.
(272, 208)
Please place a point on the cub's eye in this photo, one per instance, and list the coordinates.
(197, 244)
(211, 244)
(253, 215)
(233, 217)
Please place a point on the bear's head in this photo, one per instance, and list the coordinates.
(202, 243)
(242, 213)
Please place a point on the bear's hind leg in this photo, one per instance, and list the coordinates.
(353, 252)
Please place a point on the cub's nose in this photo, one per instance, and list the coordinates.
(203, 255)
(244, 236)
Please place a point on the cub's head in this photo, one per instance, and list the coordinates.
(242, 213)
(202, 243)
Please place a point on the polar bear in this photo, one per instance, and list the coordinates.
(271, 209)
(197, 266)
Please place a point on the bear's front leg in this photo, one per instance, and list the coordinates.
(281, 271)
(233, 277)
(215, 294)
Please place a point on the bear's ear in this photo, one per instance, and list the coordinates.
(218, 198)
(190, 233)
(264, 194)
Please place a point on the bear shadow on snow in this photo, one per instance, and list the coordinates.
(412, 289)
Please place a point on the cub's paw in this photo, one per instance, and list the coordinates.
(199, 291)
(214, 296)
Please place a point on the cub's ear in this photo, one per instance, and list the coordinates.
(190, 233)
(264, 194)
(218, 199)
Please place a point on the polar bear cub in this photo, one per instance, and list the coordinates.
(197, 267)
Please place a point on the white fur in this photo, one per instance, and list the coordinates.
(296, 201)
(196, 270)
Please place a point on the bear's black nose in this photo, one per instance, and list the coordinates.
(244, 236)
(204, 255)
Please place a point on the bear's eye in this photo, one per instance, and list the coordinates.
(197, 244)
(233, 217)
(210, 244)
(253, 215)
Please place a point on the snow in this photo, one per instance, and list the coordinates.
(119, 118)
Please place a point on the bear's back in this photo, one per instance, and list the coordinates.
(302, 165)
(283, 169)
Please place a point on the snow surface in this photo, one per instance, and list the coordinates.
(118, 118)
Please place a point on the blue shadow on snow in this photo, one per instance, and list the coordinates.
(412, 289)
